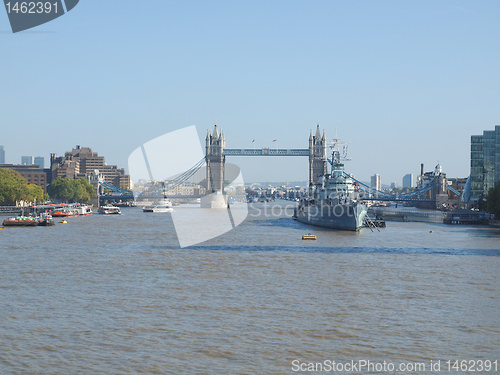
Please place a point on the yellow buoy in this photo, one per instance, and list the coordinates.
(63, 222)
(309, 236)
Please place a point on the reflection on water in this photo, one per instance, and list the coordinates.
(116, 295)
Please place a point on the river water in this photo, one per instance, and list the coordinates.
(117, 295)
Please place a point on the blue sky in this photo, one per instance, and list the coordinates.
(404, 82)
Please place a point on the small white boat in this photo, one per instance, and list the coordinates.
(84, 210)
(163, 205)
(110, 210)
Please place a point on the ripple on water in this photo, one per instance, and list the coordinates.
(119, 296)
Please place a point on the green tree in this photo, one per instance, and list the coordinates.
(83, 191)
(68, 190)
(33, 193)
(86, 190)
(493, 200)
(60, 189)
(14, 188)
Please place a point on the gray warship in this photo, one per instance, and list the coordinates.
(335, 202)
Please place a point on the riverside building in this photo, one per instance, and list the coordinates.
(484, 162)
(82, 162)
(31, 173)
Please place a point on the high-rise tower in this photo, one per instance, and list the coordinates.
(484, 163)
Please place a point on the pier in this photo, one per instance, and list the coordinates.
(7, 210)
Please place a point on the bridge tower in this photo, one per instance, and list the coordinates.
(317, 157)
(215, 145)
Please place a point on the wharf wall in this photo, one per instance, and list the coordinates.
(415, 215)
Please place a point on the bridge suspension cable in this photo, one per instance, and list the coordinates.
(453, 190)
(369, 189)
(115, 189)
(177, 181)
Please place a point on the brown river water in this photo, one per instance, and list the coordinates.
(117, 295)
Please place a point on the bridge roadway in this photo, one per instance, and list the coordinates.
(266, 152)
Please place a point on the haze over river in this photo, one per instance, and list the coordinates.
(117, 295)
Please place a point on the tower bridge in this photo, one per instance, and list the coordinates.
(216, 152)
(215, 160)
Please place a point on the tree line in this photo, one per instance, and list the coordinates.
(14, 188)
(68, 190)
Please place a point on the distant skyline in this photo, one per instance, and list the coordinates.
(404, 83)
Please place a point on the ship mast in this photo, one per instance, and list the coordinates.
(337, 157)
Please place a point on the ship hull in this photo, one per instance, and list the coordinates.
(344, 217)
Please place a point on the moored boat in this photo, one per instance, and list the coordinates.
(44, 220)
(83, 210)
(110, 210)
(65, 212)
(20, 221)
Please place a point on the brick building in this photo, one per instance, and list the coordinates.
(32, 173)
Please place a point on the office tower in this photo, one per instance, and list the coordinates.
(26, 160)
(40, 161)
(408, 180)
(376, 182)
(484, 162)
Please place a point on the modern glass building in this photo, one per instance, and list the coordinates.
(40, 160)
(376, 182)
(408, 180)
(484, 162)
(26, 160)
